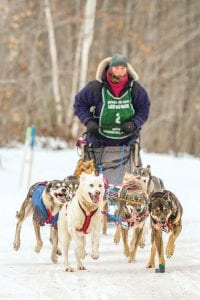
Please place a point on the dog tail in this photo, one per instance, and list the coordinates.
(20, 214)
(24, 209)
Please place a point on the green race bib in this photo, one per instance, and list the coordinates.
(115, 111)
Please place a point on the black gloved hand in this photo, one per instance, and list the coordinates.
(92, 127)
(128, 127)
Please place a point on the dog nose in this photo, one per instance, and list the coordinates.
(97, 192)
(138, 209)
(63, 190)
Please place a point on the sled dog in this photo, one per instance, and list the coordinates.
(165, 214)
(44, 201)
(82, 216)
(153, 183)
(89, 167)
(133, 210)
(72, 183)
(85, 166)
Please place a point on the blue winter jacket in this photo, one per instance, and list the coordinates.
(88, 105)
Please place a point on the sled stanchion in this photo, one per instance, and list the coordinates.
(136, 155)
(80, 144)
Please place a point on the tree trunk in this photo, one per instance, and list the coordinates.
(86, 44)
(53, 53)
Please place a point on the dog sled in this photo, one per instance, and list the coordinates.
(112, 162)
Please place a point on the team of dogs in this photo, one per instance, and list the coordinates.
(73, 207)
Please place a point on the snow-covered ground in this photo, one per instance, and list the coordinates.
(27, 275)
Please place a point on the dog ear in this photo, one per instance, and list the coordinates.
(49, 185)
(149, 169)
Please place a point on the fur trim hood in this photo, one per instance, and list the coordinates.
(105, 62)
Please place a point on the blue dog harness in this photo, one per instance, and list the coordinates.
(39, 207)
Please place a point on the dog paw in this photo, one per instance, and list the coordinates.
(131, 259)
(126, 252)
(95, 255)
(38, 248)
(170, 251)
(150, 265)
(81, 268)
(54, 259)
(59, 252)
(116, 239)
(16, 246)
(142, 244)
(69, 269)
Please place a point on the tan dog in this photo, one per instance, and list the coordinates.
(165, 213)
(83, 216)
(43, 201)
(85, 166)
(133, 210)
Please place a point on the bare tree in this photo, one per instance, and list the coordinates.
(53, 52)
(87, 39)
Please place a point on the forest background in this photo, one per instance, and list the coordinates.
(51, 48)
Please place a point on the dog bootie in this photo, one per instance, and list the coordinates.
(161, 269)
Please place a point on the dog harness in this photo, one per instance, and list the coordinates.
(42, 214)
(87, 220)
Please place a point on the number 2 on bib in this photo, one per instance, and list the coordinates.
(117, 119)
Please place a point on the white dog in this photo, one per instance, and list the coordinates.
(81, 216)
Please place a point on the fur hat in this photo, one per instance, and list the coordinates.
(118, 60)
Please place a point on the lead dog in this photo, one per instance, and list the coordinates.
(166, 214)
(44, 201)
(82, 216)
(88, 167)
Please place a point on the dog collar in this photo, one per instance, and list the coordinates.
(87, 220)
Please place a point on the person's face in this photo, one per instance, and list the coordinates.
(119, 71)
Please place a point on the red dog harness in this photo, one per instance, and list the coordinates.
(87, 220)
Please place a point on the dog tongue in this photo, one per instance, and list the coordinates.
(134, 217)
(95, 198)
(61, 196)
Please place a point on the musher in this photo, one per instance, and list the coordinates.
(113, 108)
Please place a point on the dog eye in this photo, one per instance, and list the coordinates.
(91, 185)
(100, 185)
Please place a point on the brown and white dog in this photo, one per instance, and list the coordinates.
(133, 210)
(153, 184)
(166, 214)
(82, 216)
(44, 201)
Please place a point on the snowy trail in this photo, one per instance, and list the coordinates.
(27, 275)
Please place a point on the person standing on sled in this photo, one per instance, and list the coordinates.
(113, 108)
